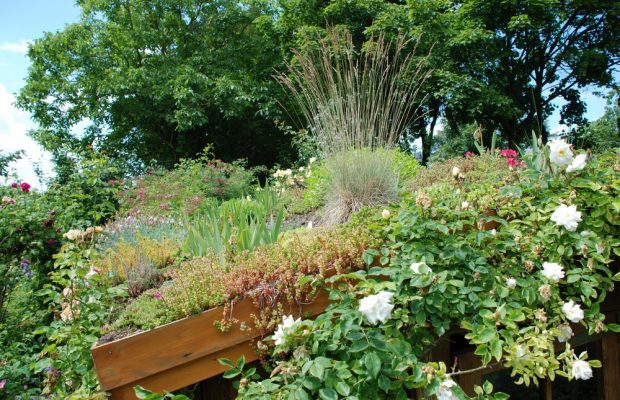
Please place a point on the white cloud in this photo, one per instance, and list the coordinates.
(20, 47)
(14, 125)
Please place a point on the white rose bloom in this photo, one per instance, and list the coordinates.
(377, 307)
(312, 160)
(464, 204)
(511, 283)
(560, 153)
(566, 216)
(415, 267)
(572, 311)
(456, 171)
(581, 370)
(284, 328)
(553, 271)
(564, 333)
(385, 213)
(445, 390)
(578, 163)
(493, 232)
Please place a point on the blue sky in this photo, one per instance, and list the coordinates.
(22, 21)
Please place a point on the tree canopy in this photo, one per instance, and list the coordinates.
(159, 80)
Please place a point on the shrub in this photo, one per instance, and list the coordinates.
(187, 188)
(359, 178)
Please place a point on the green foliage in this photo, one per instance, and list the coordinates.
(6, 159)
(604, 133)
(443, 268)
(234, 226)
(192, 74)
(191, 186)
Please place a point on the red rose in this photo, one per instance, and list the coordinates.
(468, 154)
(48, 223)
(25, 187)
(14, 185)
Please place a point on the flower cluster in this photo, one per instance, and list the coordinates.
(561, 156)
(377, 307)
(511, 157)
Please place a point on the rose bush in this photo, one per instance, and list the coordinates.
(443, 273)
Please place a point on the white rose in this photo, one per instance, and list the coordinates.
(287, 172)
(511, 283)
(73, 234)
(445, 390)
(456, 171)
(572, 311)
(560, 153)
(312, 160)
(284, 329)
(581, 370)
(385, 213)
(493, 232)
(377, 307)
(464, 204)
(553, 271)
(416, 267)
(566, 216)
(564, 333)
(578, 163)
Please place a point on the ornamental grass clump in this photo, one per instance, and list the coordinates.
(356, 102)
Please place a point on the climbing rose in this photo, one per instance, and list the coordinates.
(573, 311)
(581, 370)
(564, 333)
(578, 163)
(552, 271)
(284, 328)
(377, 307)
(560, 153)
(25, 187)
(445, 390)
(566, 216)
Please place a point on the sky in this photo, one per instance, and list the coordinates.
(22, 21)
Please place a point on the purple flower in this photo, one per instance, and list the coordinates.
(26, 267)
(157, 295)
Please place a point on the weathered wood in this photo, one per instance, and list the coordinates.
(181, 353)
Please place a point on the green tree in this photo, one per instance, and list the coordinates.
(604, 133)
(158, 80)
(6, 159)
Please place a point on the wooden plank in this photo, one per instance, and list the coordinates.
(129, 360)
(186, 374)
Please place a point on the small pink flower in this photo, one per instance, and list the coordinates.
(25, 187)
(2, 383)
(508, 153)
(157, 296)
(512, 162)
(164, 206)
(468, 154)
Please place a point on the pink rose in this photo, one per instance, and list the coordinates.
(468, 154)
(25, 187)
